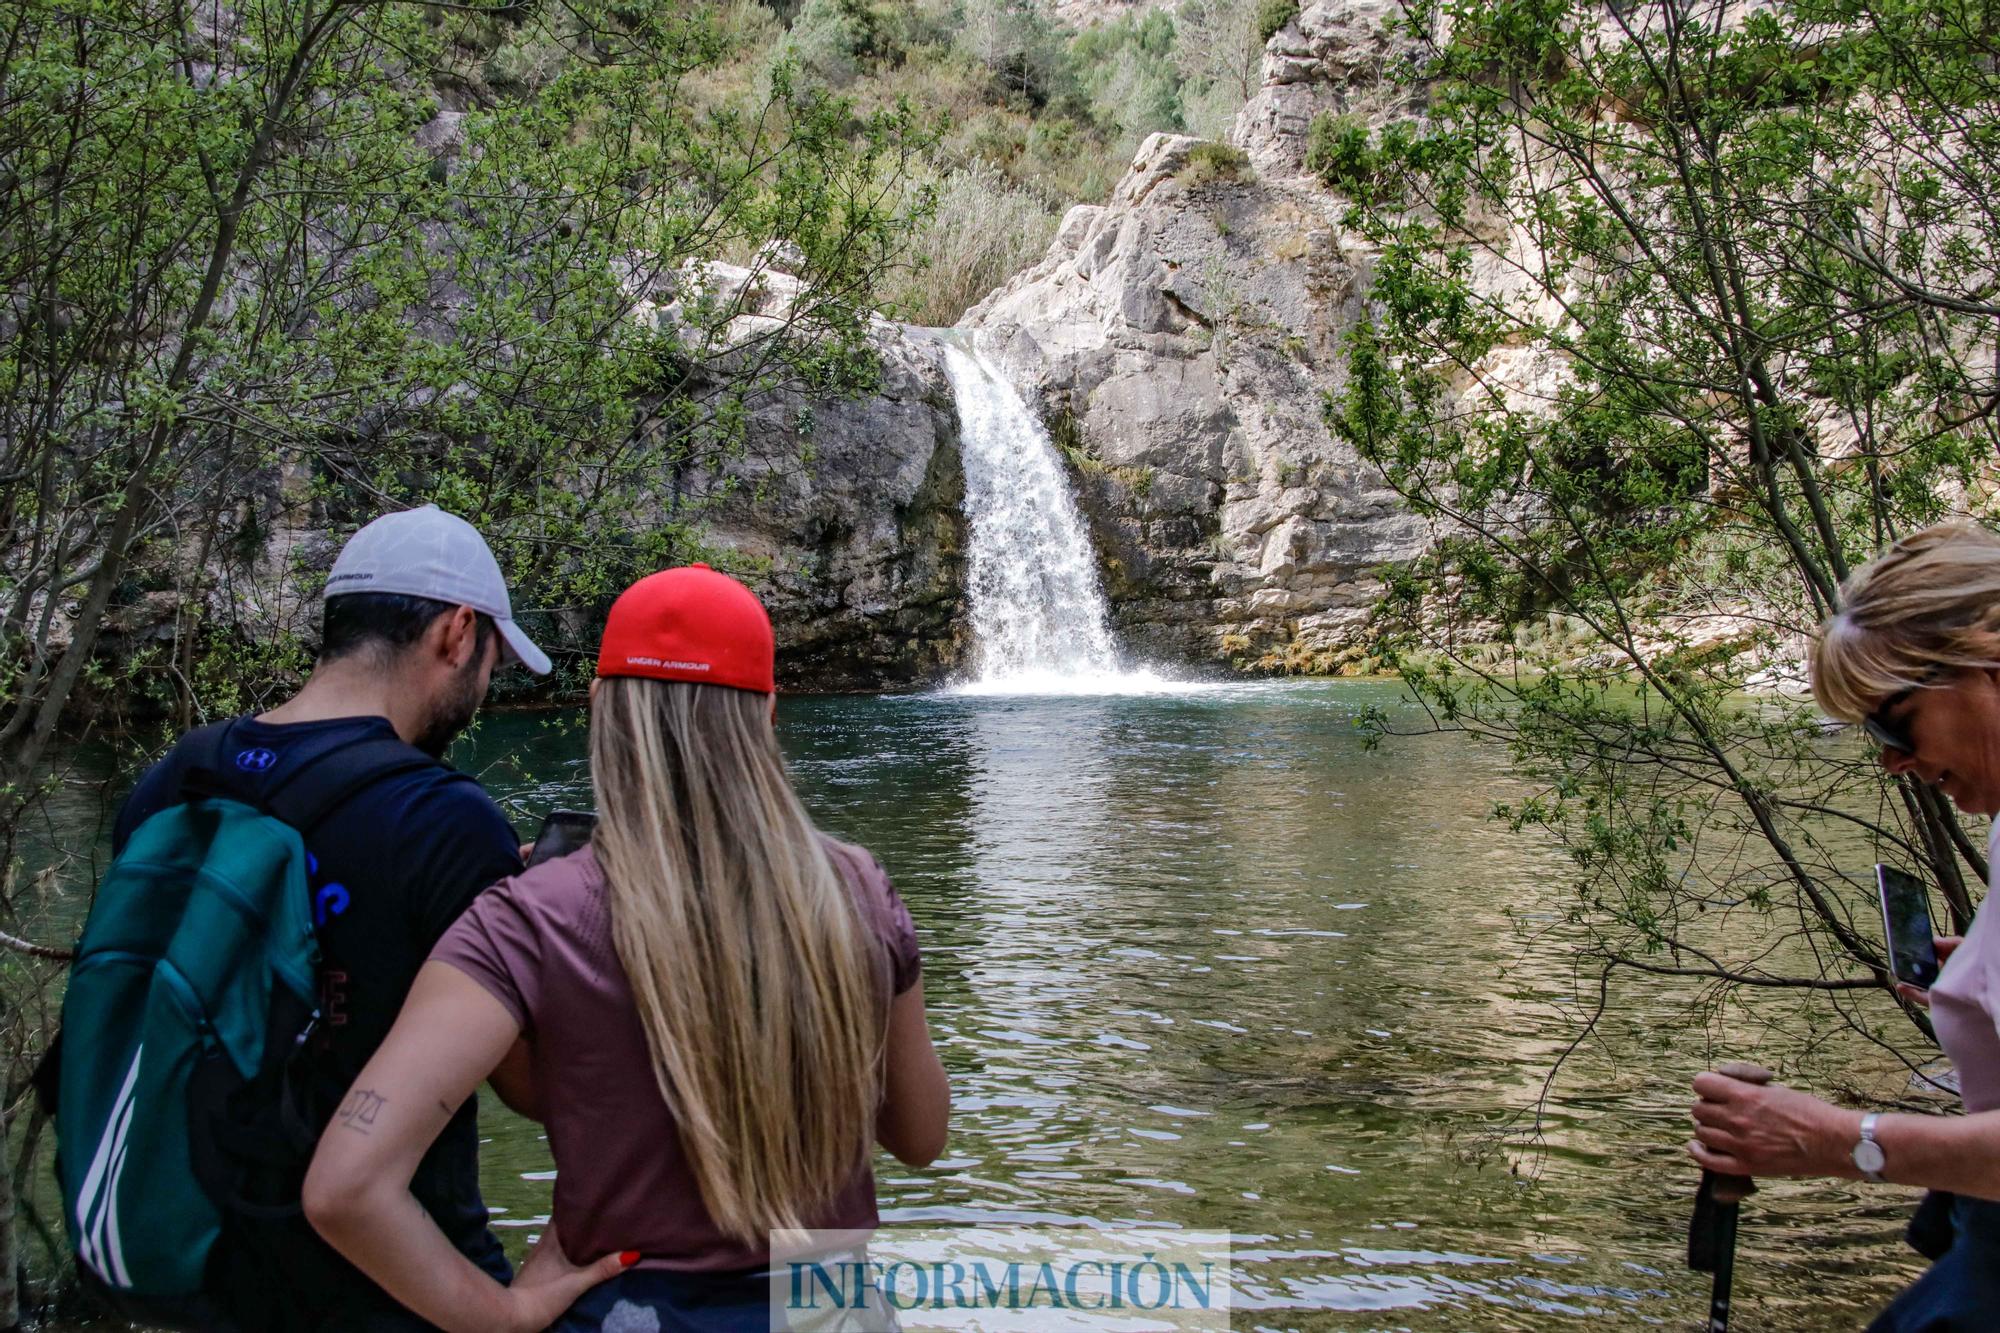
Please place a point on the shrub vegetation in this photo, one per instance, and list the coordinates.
(1273, 15)
(1211, 162)
(1743, 340)
(1038, 117)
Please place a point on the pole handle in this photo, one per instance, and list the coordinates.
(1735, 1189)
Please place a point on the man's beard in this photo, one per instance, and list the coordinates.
(452, 713)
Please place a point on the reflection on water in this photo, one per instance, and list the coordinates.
(1200, 960)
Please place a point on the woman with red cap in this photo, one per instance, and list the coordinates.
(715, 1009)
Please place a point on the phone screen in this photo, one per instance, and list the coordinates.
(563, 832)
(1906, 916)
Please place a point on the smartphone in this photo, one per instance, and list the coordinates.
(563, 832)
(1906, 920)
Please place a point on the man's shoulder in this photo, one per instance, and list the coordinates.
(158, 786)
(431, 834)
(188, 746)
(439, 782)
(433, 800)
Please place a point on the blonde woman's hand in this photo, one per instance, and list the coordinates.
(1918, 995)
(1751, 1129)
(549, 1283)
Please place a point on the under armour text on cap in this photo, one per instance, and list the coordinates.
(429, 553)
(690, 624)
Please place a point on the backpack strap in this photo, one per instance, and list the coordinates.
(203, 774)
(320, 786)
(330, 780)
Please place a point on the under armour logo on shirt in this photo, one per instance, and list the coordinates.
(258, 760)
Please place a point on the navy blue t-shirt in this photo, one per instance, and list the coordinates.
(392, 868)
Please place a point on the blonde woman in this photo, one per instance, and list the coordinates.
(1914, 659)
(715, 1009)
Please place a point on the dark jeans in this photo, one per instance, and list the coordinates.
(651, 1300)
(1960, 1292)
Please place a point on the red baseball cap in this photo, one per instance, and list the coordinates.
(690, 624)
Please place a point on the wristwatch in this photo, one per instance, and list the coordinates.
(1868, 1154)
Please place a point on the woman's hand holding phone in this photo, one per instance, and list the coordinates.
(1919, 995)
(563, 832)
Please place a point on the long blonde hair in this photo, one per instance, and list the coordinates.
(762, 1002)
(1928, 605)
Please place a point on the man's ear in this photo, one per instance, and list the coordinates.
(454, 636)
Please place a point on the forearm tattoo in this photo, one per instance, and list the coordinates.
(358, 1112)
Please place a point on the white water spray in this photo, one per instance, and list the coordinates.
(1040, 622)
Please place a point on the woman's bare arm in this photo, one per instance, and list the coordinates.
(916, 1101)
(450, 1036)
(1750, 1129)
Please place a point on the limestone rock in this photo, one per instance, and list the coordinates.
(1183, 338)
(859, 548)
(845, 517)
(1336, 56)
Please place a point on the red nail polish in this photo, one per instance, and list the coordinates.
(628, 1258)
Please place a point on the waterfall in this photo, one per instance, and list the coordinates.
(1040, 622)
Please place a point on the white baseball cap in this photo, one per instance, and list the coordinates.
(429, 553)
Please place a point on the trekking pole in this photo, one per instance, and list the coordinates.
(1712, 1231)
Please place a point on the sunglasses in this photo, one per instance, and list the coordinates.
(1894, 735)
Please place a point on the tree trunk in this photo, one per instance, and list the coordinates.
(10, 1269)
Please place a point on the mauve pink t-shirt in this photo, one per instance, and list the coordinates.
(540, 943)
(1965, 1002)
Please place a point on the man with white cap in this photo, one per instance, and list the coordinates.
(416, 618)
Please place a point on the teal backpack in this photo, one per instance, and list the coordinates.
(182, 1087)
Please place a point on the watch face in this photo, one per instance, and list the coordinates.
(1868, 1156)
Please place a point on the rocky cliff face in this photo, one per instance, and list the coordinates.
(846, 517)
(1335, 56)
(857, 529)
(1180, 340)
